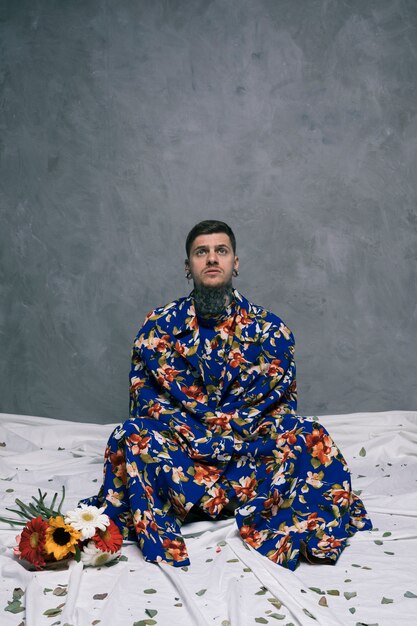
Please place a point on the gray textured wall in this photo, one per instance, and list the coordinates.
(123, 123)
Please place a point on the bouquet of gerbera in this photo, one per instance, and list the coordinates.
(85, 534)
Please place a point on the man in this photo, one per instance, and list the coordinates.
(213, 429)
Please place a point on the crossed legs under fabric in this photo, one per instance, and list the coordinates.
(293, 491)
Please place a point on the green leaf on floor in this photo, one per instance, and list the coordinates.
(14, 606)
(149, 591)
(261, 620)
(18, 593)
(333, 592)
(151, 612)
(350, 594)
(309, 614)
(277, 616)
(100, 596)
(409, 594)
(59, 591)
(387, 534)
(201, 592)
(362, 452)
(386, 600)
(275, 602)
(352, 610)
(261, 592)
(317, 590)
(53, 612)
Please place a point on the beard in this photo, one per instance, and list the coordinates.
(211, 301)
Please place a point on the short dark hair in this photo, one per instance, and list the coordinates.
(208, 227)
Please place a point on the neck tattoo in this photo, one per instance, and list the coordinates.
(211, 302)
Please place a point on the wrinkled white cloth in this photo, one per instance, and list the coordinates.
(227, 583)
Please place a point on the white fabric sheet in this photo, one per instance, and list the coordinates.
(227, 584)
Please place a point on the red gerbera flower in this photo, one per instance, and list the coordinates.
(110, 539)
(32, 542)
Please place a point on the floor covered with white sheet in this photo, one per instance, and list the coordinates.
(227, 584)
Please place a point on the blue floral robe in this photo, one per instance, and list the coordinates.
(215, 420)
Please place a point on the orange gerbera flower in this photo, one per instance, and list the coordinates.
(109, 539)
(32, 542)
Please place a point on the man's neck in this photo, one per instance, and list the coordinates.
(211, 302)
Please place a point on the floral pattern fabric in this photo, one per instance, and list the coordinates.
(213, 421)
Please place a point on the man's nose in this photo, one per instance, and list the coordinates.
(212, 257)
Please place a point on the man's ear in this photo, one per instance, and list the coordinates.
(236, 263)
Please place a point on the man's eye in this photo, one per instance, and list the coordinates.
(222, 251)
(200, 252)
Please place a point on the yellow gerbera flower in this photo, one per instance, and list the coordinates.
(61, 538)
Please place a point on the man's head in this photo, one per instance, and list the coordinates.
(211, 258)
(208, 227)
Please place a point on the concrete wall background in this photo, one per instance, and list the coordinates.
(124, 123)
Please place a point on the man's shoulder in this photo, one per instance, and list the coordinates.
(260, 312)
(165, 316)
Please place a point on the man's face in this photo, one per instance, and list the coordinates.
(212, 260)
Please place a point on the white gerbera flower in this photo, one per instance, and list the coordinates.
(87, 519)
(91, 555)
